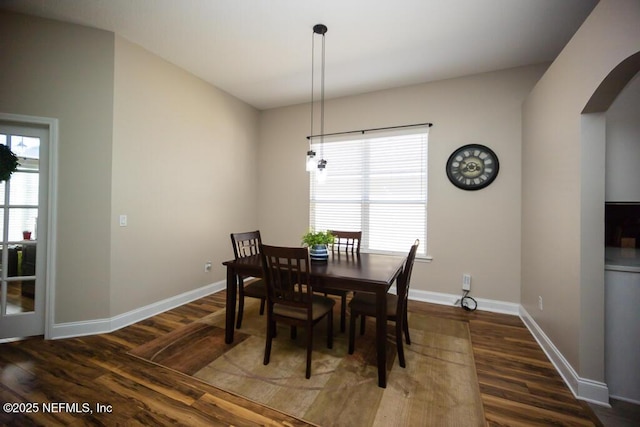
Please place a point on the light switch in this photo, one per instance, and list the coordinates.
(123, 220)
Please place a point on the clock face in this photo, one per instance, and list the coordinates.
(472, 167)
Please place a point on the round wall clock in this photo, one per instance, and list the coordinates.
(472, 167)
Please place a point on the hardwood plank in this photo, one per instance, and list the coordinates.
(239, 412)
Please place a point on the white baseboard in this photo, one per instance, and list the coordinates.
(450, 299)
(625, 399)
(103, 326)
(582, 388)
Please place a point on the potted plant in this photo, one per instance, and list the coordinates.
(8, 162)
(317, 243)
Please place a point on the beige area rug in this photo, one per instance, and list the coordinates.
(437, 388)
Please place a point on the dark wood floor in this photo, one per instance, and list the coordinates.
(519, 386)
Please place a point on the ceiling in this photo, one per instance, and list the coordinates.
(260, 50)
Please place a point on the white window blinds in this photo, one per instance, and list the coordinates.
(376, 183)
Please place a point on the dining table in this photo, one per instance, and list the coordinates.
(365, 272)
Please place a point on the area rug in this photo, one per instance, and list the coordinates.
(438, 387)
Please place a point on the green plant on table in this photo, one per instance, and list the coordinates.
(318, 238)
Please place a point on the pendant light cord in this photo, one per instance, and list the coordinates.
(313, 34)
(317, 29)
(322, 102)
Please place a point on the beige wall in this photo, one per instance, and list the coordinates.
(476, 232)
(141, 137)
(64, 71)
(184, 156)
(563, 187)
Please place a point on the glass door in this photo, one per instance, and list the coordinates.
(23, 227)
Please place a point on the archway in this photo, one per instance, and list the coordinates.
(613, 84)
(593, 143)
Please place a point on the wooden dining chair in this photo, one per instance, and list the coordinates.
(244, 245)
(363, 305)
(290, 297)
(348, 243)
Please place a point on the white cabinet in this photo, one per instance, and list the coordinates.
(622, 334)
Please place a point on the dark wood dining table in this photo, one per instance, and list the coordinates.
(372, 273)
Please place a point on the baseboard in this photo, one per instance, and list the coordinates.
(450, 299)
(625, 399)
(103, 326)
(582, 388)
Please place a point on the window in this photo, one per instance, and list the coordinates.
(376, 183)
(20, 204)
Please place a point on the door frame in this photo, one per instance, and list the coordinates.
(50, 273)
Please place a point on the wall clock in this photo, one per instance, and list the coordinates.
(472, 167)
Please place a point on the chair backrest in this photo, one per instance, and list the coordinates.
(346, 241)
(286, 274)
(246, 244)
(404, 280)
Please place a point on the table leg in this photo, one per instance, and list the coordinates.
(231, 305)
(381, 335)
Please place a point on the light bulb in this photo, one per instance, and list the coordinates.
(322, 171)
(311, 157)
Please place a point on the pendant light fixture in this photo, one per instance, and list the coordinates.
(311, 159)
(319, 166)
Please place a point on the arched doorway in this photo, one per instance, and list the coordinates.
(595, 289)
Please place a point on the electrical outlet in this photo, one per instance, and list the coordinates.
(466, 282)
(207, 266)
(540, 303)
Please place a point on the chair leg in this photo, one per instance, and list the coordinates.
(343, 313)
(262, 301)
(352, 331)
(399, 328)
(294, 332)
(406, 327)
(240, 304)
(330, 330)
(363, 319)
(267, 348)
(309, 350)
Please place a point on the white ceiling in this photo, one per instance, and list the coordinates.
(260, 50)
